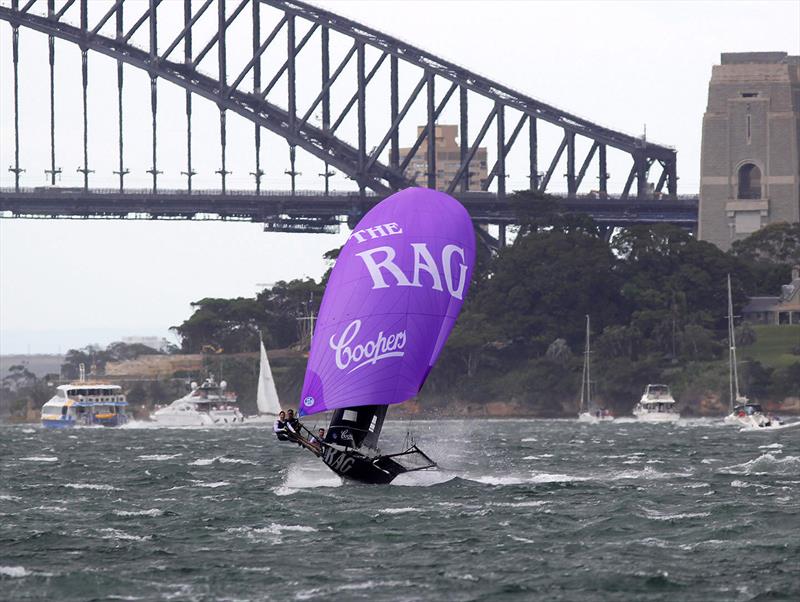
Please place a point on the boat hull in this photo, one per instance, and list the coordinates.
(372, 470)
(657, 417)
(196, 418)
(592, 418)
(58, 424)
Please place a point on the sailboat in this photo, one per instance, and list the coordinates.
(742, 412)
(587, 412)
(391, 302)
(267, 396)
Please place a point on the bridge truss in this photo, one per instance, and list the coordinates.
(270, 99)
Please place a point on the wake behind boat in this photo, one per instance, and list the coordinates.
(391, 301)
(207, 404)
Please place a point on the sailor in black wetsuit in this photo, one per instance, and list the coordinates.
(279, 428)
(293, 425)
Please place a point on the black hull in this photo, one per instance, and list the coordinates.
(377, 470)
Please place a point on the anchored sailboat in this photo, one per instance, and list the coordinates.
(587, 412)
(392, 299)
(267, 396)
(743, 413)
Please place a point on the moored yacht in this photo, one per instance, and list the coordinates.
(207, 404)
(85, 404)
(656, 405)
(743, 413)
(588, 411)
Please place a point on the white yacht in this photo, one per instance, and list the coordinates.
(85, 404)
(205, 405)
(588, 411)
(743, 413)
(656, 405)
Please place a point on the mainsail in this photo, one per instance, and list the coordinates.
(391, 301)
(267, 398)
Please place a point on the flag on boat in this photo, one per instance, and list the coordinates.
(391, 301)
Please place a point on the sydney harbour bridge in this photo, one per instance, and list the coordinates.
(253, 60)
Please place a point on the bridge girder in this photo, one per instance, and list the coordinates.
(292, 123)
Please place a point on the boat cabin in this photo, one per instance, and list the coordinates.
(748, 409)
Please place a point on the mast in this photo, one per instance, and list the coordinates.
(586, 387)
(732, 367)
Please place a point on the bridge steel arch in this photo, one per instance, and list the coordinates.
(294, 123)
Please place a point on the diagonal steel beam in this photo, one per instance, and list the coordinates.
(354, 98)
(215, 37)
(186, 29)
(327, 86)
(64, 8)
(473, 149)
(507, 148)
(139, 23)
(421, 138)
(627, 190)
(285, 65)
(106, 17)
(27, 6)
(256, 55)
(396, 123)
(556, 158)
(585, 165)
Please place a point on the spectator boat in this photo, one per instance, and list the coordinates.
(656, 405)
(588, 411)
(85, 404)
(743, 413)
(205, 405)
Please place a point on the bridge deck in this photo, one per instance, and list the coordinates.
(306, 210)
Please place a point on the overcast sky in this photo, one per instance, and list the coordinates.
(64, 284)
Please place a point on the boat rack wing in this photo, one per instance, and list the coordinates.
(412, 459)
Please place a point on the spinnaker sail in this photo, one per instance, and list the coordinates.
(391, 301)
(267, 396)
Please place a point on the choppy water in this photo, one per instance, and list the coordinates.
(521, 509)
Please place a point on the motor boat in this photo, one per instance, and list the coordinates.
(656, 405)
(207, 404)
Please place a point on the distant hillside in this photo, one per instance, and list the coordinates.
(40, 365)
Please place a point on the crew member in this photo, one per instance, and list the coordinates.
(279, 428)
(317, 440)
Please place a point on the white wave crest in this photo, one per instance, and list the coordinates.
(95, 486)
(160, 457)
(653, 515)
(40, 459)
(767, 464)
(399, 510)
(151, 512)
(122, 535)
(14, 571)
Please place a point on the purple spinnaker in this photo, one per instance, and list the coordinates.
(391, 301)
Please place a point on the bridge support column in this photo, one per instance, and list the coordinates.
(603, 176)
(533, 153)
(501, 235)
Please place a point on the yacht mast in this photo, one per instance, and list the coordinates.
(733, 371)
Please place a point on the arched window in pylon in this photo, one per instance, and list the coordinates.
(749, 181)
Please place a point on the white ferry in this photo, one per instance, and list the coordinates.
(85, 404)
(205, 405)
(656, 405)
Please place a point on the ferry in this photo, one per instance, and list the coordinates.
(207, 404)
(85, 404)
(656, 405)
